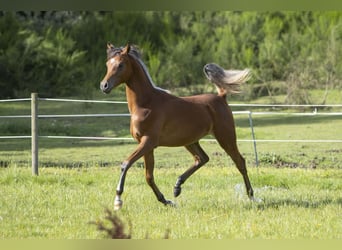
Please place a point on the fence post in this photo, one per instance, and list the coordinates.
(34, 133)
(253, 137)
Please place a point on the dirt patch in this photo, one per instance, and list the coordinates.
(278, 162)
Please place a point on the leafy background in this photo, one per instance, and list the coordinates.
(62, 53)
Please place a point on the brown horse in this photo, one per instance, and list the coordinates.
(161, 119)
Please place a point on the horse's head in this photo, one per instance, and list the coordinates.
(118, 67)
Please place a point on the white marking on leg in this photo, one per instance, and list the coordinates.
(117, 203)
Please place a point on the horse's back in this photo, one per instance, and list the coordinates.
(204, 105)
(217, 104)
(188, 119)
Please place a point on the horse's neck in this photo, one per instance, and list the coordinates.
(139, 89)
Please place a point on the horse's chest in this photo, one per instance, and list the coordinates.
(140, 122)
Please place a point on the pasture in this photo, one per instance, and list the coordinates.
(299, 185)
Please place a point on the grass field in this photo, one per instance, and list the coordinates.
(299, 185)
(296, 203)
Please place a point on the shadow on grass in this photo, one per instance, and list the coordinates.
(289, 202)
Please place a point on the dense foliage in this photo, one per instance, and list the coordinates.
(63, 53)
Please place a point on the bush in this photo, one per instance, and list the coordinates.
(47, 63)
(63, 53)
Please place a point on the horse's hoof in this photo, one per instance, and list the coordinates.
(177, 191)
(117, 204)
(170, 203)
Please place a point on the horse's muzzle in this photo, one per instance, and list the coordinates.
(104, 86)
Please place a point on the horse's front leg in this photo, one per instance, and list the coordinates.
(144, 147)
(149, 167)
(120, 188)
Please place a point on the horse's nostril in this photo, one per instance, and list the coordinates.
(104, 86)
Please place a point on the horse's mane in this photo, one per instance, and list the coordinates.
(135, 53)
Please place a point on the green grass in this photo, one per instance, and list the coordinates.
(61, 201)
(299, 183)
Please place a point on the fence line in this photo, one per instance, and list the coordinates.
(83, 115)
(205, 140)
(299, 114)
(16, 100)
(14, 116)
(127, 115)
(34, 133)
(131, 139)
(35, 116)
(286, 105)
(232, 104)
(78, 100)
(16, 137)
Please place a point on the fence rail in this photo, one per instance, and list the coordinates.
(287, 105)
(34, 116)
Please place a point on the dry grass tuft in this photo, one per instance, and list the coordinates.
(117, 228)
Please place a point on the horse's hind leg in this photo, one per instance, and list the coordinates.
(240, 163)
(200, 159)
(229, 145)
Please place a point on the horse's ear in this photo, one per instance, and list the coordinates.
(126, 49)
(110, 46)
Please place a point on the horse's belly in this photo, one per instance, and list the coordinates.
(178, 141)
(181, 134)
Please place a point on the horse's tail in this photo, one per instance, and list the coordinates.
(226, 81)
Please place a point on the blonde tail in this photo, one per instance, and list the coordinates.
(226, 81)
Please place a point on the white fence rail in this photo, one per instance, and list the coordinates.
(34, 116)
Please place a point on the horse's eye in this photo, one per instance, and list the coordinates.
(120, 65)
